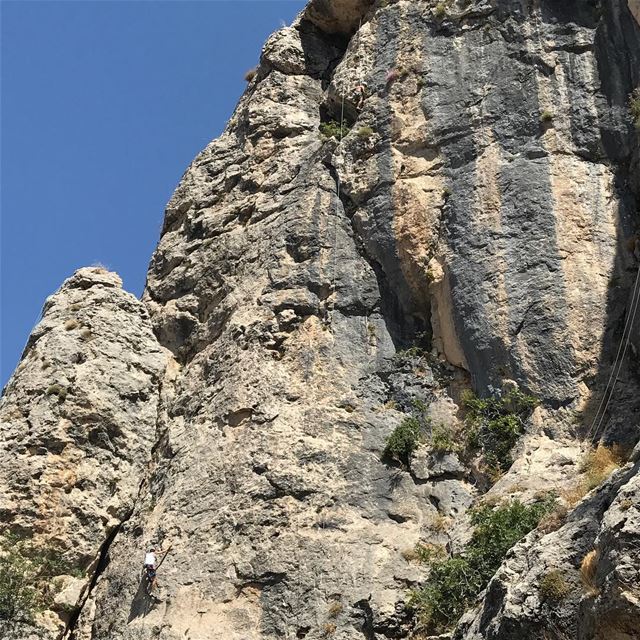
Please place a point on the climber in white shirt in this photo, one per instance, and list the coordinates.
(150, 565)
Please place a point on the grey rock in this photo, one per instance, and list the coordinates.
(466, 231)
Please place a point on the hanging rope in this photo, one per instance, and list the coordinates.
(618, 361)
(335, 224)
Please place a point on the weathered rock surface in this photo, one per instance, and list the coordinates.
(474, 225)
(78, 425)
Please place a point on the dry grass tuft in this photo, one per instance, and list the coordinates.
(597, 465)
(328, 629)
(72, 323)
(251, 74)
(588, 569)
(554, 520)
(601, 463)
(440, 523)
(335, 609)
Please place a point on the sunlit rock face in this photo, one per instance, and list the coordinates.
(472, 226)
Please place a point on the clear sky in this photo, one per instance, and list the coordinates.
(104, 104)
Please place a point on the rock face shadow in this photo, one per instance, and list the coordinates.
(142, 601)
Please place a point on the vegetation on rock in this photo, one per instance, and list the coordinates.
(554, 586)
(332, 129)
(26, 573)
(453, 583)
(496, 423)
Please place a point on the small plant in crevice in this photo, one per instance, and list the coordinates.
(364, 133)
(453, 583)
(57, 390)
(588, 569)
(406, 437)
(70, 324)
(440, 11)
(597, 465)
(444, 439)
(332, 129)
(554, 586)
(546, 117)
(251, 74)
(634, 107)
(495, 425)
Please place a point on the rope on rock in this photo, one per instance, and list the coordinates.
(618, 361)
(335, 224)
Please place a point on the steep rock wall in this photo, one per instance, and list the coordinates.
(78, 425)
(474, 226)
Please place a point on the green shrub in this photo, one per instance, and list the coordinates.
(634, 107)
(554, 586)
(497, 530)
(404, 440)
(332, 129)
(454, 583)
(451, 586)
(495, 424)
(26, 574)
(443, 439)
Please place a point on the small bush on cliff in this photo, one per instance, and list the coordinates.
(404, 440)
(26, 573)
(364, 133)
(454, 583)
(332, 129)
(406, 437)
(546, 116)
(443, 439)
(440, 11)
(496, 423)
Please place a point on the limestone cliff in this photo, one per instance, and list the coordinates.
(472, 225)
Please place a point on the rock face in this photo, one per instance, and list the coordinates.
(78, 424)
(474, 223)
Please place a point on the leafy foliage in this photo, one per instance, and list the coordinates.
(443, 439)
(26, 574)
(332, 129)
(496, 423)
(404, 440)
(406, 437)
(453, 583)
(365, 132)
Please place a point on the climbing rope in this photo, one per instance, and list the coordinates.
(335, 223)
(618, 361)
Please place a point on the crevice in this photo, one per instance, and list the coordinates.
(103, 562)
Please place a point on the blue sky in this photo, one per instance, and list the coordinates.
(104, 104)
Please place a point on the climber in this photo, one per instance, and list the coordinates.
(150, 566)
